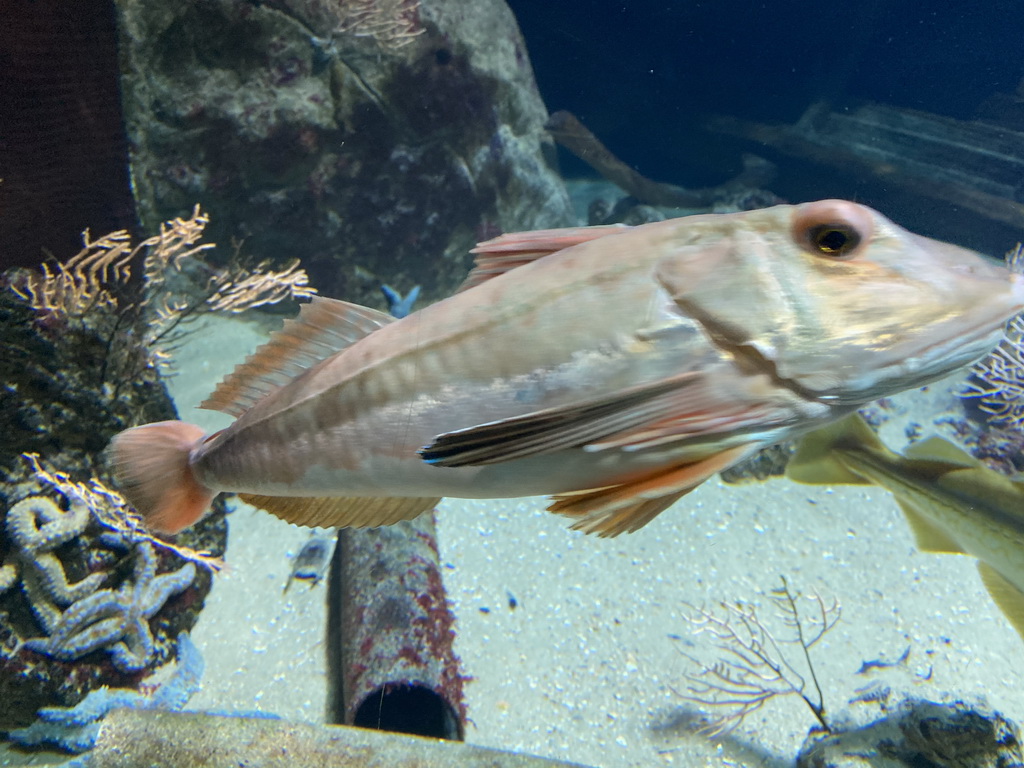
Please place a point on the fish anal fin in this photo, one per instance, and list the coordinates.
(630, 506)
(341, 511)
(1006, 595)
(506, 252)
(324, 326)
(929, 537)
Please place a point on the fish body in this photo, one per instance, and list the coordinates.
(613, 367)
(953, 502)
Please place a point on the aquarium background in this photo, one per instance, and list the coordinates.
(575, 648)
(643, 75)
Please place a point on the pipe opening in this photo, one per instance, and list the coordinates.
(409, 709)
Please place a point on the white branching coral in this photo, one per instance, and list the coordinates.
(112, 511)
(96, 275)
(751, 667)
(392, 23)
(998, 380)
(95, 287)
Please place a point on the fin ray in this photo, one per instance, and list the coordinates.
(652, 414)
(341, 511)
(1005, 595)
(324, 326)
(628, 507)
(506, 252)
(561, 427)
(928, 536)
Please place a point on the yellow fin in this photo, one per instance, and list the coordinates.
(1007, 596)
(506, 252)
(939, 449)
(818, 460)
(929, 537)
(324, 326)
(630, 506)
(341, 511)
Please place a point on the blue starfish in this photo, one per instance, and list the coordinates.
(117, 621)
(37, 526)
(75, 729)
(397, 305)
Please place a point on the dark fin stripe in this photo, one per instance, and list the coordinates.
(639, 417)
(323, 327)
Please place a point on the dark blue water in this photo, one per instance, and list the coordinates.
(642, 75)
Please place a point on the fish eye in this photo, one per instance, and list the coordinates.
(834, 240)
(836, 229)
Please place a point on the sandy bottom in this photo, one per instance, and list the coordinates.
(592, 663)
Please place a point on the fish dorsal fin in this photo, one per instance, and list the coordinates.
(341, 512)
(506, 252)
(1007, 596)
(324, 326)
(937, 448)
(929, 537)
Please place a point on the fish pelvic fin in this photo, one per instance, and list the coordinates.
(928, 536)
(324, 326)
(152, 469)
(818, 458)
(341, 511)
(506, 252)
(1006, 595)
(628, 507)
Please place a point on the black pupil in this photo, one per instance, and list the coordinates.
(832, 240)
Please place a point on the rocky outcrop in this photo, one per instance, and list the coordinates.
(377, 141)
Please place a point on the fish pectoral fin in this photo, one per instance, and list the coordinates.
(506, 252)
(324, 326)
(1005, 594)
(640, 417)
(929, 537)
(630, 506)
(341, 511)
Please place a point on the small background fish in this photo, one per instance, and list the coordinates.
(311, 562)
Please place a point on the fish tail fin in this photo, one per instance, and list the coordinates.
(152, 468)
(818, 457)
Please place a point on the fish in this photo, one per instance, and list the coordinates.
(952, 501)
(311, 562)
(612, 368)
